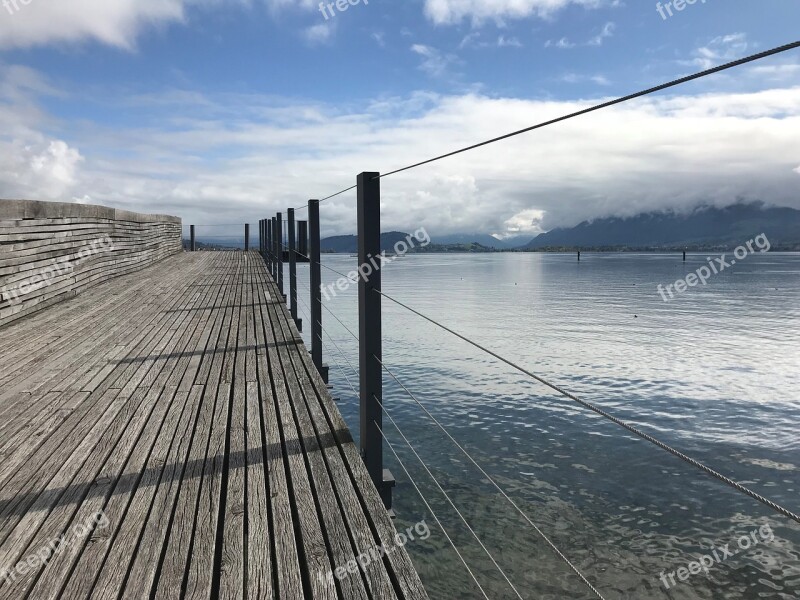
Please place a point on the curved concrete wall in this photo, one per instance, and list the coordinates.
(52, 251)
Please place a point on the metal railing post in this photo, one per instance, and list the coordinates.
(191, 235)
(279, 238)
(246, 237)
(293, 269)
(271, 246)
(302, 238)
(370, 347)
(316, 288)
(272, 251)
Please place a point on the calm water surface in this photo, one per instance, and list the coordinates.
(713, 373)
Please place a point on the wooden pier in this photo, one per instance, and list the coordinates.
(171, 425)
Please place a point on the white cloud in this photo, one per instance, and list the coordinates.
(320, 34)
(576, 78)
(379, 37)
(230, 158)
(565, 44)
(528, 221)
(47, 166)
(508, 42)
(782, 72)
(607, 32)
(472, 40)
(721, 49)
(434, 62)
(454, 11)
(113, 22)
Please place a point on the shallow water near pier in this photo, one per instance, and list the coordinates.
(712, 373)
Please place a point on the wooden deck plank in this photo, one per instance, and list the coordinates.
(113, 471)
(232, 554)
(289, 583)
(181, 538)
(147, 514)
(88, 470)
(67, 317)
(127, 379)
(398, 562)
(201, 578)
(72, 351)
(194, 420)
(313, 551)
(333, 514)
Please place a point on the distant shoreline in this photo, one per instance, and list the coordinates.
(795, 249)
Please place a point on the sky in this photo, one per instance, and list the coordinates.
(226, 111)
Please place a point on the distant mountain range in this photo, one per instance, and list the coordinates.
(474, 238)
(703, 228)
(706, 227)
(348, 244)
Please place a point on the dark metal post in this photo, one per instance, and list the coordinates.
(316, 288)
(246, 237)
(684, 256)
(191, 235)
(261, 237)
(369, 332)
(272, 250)
(293, 268)
(279, 235)
(302, 238)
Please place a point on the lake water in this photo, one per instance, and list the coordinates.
(713, 373)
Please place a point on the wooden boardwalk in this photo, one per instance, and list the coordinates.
(165, 435)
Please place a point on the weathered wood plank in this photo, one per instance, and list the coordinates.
(195, 421)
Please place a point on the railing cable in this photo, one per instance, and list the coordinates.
(447, 497)
(427, 504)
(342, 370)
(491, 480)
(610, 103)
(352, 387)
(645, 436)
(319, 263)
(355, 337)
